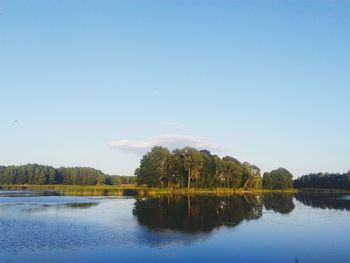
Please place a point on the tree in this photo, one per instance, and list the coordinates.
(207, 172)
(280, 178)
(192, 162)
(161, 161)
(232, 172)
(324, 180)
(187, 166)
(251, 178)
(52, 176)
(40, 174)
(146, 172)
(267, 181)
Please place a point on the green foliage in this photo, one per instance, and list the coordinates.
(118, 180)
(146, 173)
(155, 167)
(191, 162)
(208, 170)
(267, 181)
(161, 159)
(324, 181)
(188, 166)
(280, 179)
(231, 172)
(35, 174)
(251, 178)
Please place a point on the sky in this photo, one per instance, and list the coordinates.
(98, 83)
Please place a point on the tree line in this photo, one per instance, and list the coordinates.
(48, 175)
(188, 167)
(324, 181)
(180, 168)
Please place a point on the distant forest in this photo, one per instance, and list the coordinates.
(324, 181)
(43, 175)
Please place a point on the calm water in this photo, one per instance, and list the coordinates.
(46, 227)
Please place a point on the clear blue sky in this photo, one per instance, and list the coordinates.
(265, 81)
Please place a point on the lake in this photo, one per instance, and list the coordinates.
(39, 226)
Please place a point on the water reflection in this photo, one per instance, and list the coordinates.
(279, 202)
(29, 193)
(194, 214)
(34, 202)
(45, 207)
(103, 229)
(323, 201)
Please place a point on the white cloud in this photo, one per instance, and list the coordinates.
(170, 141)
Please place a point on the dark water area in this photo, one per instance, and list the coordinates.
(45, 226)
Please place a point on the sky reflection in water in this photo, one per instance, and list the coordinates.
(250, 228)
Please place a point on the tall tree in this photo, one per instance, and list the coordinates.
(146, 172)
(192, 162)
(267, 181)
(280, 178)
(161, 159)
(251, 178)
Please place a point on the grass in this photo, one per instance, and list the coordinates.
(132, 190)
(87, 190)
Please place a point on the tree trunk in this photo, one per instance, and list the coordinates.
(246, 183)
(189, 179)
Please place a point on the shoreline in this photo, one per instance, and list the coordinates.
(134, 190)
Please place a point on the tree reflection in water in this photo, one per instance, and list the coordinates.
(203, 214)
(279, 202)
(324, 200)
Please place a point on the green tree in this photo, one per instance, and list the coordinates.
(192, 162)
(251, 178)
(207, 178)
(267, 181)
(40, 174)
(280, 178)
(161, 159)
(232, 173)
(146, 173)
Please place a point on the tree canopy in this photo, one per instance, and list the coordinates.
(324, 181)
(280, 178)
(42, 174)
(188, 167)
